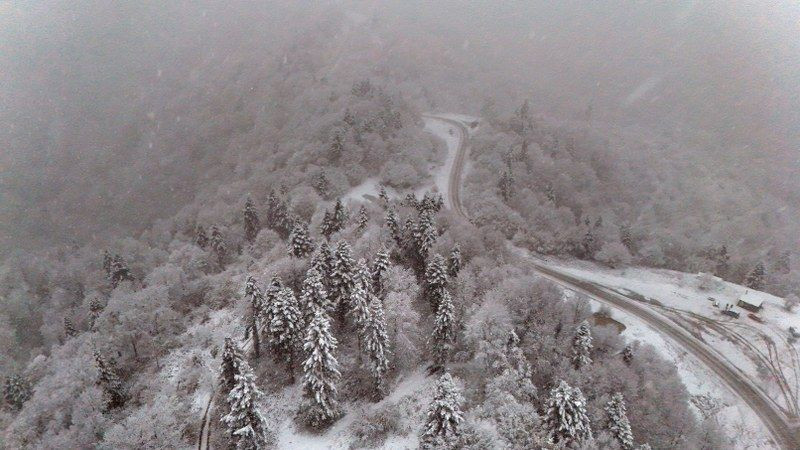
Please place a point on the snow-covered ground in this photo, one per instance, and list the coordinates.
(412, 390)
(367, 190)
(711, 398)
(440, 173)
(761, 350)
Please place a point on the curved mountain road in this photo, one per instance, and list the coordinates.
(784, 429)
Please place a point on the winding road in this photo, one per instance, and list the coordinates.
(784, 429)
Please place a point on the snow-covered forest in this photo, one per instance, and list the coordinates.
(229, 225)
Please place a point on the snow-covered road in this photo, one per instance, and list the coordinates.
(782, 428)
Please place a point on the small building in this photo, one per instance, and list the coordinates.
(751, 301)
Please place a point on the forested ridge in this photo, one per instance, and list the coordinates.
(175, 223)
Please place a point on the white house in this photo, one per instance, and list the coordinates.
(751, 300)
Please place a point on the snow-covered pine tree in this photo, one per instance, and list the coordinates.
(96, 306)
(17, 390)
(411, 201)
(723, 261)
(300, 243)
(755, 280)
(393, 224)
(444, 415)
(276, 211)
(407, 234)
(251, 223)
(376, 344)
(322, 184)
(231, 354)
(107, 260)
(244, 421)
(69, 328)
(425, 234)
(627, 354)
(431, 202)
(515, 357)
(598, 222)
(349, 118)
(589, 244)
(435, 280)
(289, 221)
(313, 295)
(384, 196)
(444, 330)
(550, 193)
(626, 236)
(322, 260)
(565, 415)
(327, 227)
(257, 310)
(618, 423)
(454, 262)
(270, 297)
(340, 215)
(218, 245)
(783, 262)
(379, 268)
(358, 308)
(320, 372)
(342, 275)
(200, 237)
(582, 345)
(285, 328)
(107, 378)
(336, 146)
(506, 185)
(119, 271)
(522, 122)
(438, 202)
(363, 218)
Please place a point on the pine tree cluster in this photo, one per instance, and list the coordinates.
(116, 269)
(107, 378)
(565, 415)
(16, 390)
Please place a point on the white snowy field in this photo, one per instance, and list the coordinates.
(762, 350)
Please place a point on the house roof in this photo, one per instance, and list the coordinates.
(754, 298)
